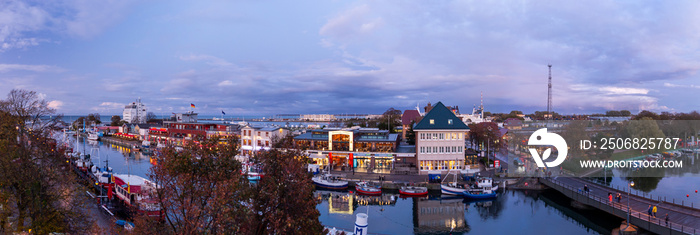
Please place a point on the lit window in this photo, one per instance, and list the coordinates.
(449, 121)
(432, 121)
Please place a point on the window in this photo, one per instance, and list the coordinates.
(267, 134)
(442, 149)
(449, 121)
(442, 136)
(435, 149)
(435, 136)
(432, 121)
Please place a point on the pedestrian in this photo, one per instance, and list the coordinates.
(649, 210)
(654, 211)
(585, 188)
(619, 197)
(610, 197)
(666, 219)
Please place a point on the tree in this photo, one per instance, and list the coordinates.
(390, 120)
(411, 134)
(115, 120)
(38, 191)
(202, 191)
(151, 117)
(645, 113)
(283, 200)
(94, 118)
(485, 134)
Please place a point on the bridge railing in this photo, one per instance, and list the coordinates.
(650, 196)
(605, 202)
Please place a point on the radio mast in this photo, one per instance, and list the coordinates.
(549, 94)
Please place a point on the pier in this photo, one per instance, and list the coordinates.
(683, 218)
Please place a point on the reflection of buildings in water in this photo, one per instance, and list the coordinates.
(383, 200)
(346, 203)
(446, 215)
(338, 202)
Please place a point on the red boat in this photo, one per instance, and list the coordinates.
(413, 191)
(366, 189)
(135, 192)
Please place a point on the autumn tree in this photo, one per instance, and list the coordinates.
(283, 200)
(200, 190)
(37, 189)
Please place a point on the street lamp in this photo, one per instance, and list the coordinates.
(629, 188)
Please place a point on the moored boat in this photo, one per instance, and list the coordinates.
(413, 191)
(329, 181)
(135, 192)
(453, 188)
(483, 194)
(368, 189)
(252, 171)
(93, 136)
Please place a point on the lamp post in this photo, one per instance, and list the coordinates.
(629, 188)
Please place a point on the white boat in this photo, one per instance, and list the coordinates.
(452, 188)
(136, 192)
(329, 181)
(368, 189)
(146, 144)
(485, 182)
(93, 136)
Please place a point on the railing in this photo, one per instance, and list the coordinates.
(603, 204)
(651, 197)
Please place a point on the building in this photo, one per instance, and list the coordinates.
(254, 139)
(186, 117)
(440, 140)
(408, 118)
(359, 149)
(135, 112)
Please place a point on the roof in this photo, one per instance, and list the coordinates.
(408, 116)
(442, 119)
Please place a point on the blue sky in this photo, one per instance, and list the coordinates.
(270, 57)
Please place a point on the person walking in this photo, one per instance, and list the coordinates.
(649, 210)
(585, 188)
(666, 219)
(610, 197)
(654, 211)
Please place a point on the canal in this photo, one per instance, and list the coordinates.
(513, 212)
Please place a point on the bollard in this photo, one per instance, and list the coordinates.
(361, 224)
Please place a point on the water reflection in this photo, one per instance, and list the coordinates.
(439, 215)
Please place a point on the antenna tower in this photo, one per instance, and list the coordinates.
(549, 94)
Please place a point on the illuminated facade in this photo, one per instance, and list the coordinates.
(440, 140)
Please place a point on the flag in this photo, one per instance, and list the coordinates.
(222, 112)
(191, 105)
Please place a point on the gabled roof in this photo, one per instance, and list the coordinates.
(440, 116)
(409, 116)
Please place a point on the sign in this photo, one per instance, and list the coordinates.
(497, 163)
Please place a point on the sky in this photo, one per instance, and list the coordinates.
(334, 57)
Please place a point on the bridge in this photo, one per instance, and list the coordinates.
(683, 218)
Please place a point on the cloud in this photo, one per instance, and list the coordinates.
(79, 18)
(211, 60)
(671, 85)
(55, 104)
(25, 67)
(225, 83)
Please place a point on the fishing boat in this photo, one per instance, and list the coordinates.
(413, 191)
(452, 188)
(135, 192)
(485, 193)
(328, 181)
(368, 189)
(101, 175)
(483, 182)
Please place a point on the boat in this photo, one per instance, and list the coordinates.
(413, 191)
(136, 148)
(452, 188)
(146, 144)
(93, 136)
(367, 189)
(102, 175)
(482, 194)
(329, 181)
(483, 182)
(135, 192)
(125, 224)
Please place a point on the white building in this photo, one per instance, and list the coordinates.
(135, 112)
(254, 139)
(440, 141)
